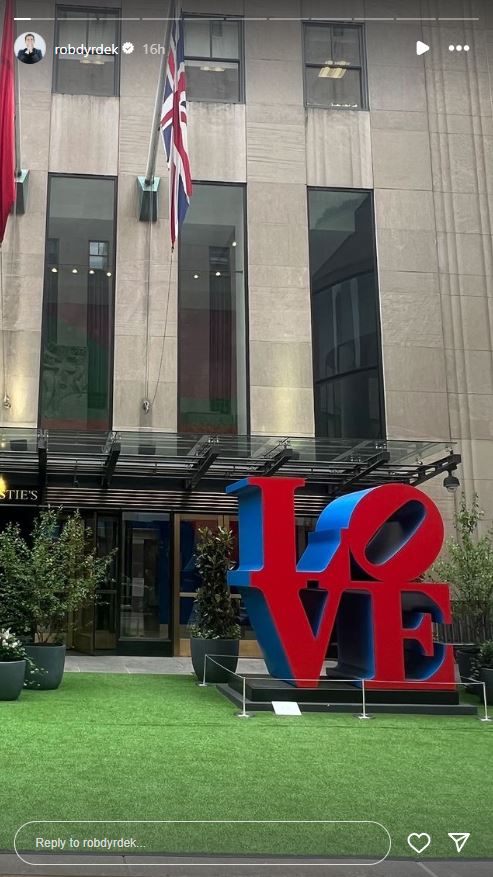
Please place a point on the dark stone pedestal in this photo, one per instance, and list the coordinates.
(334, 696)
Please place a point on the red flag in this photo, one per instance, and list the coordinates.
(7, 118)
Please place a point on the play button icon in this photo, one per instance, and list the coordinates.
(421, 48)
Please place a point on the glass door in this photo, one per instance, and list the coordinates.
(187, 579)
(105, 614)
(94, 627)
(145, 592)
(81, 625)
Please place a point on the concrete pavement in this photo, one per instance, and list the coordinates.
(76, 663)
(122, 866)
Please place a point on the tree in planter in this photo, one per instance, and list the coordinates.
(41, 583)
(214, 616)
(468, 567)
(214, 611)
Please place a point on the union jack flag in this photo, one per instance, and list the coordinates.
(174, 131)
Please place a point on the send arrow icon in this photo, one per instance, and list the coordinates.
(421, 48)
(460, 838)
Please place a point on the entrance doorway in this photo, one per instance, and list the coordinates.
(145, 592)
(132, 613)
(145, 606)
(95, 626)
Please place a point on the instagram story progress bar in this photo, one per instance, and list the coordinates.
(207, 17)
(223, 842)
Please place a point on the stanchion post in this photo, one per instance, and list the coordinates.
(244, 714)
(364, 714)
(486, 717)
(203, 684)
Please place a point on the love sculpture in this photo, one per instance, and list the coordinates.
(357, 578)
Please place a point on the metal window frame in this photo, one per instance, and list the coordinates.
(105, 256)
(378, 367)
(239, 61)
(99, 13)
(112, 263)
(362, 67)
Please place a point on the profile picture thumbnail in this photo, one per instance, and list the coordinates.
(30, 47)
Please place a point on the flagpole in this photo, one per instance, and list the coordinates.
(17, 129)
(156, 122)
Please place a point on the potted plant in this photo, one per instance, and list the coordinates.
(483, 668)
(13, 662)
(468, 567)
(42, 583)
(215, 629)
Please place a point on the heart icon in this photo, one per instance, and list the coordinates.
(419, 842)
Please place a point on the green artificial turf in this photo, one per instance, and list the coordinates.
(138, 747)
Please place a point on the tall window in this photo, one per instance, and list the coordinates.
(92, 71)
(77, 347)
(212, 389)
(213, 51)
(346, 334)
(335, 72)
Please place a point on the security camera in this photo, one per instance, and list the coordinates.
(451, 483)
(146, 406)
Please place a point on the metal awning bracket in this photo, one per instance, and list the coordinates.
(112, 449)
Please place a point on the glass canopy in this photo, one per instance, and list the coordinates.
(193, 458)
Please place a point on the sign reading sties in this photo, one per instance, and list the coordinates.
(22, 495)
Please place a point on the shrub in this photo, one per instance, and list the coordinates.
(41, 583)
(467, 565)
(214, 615)
(485, 657)
(11, 648)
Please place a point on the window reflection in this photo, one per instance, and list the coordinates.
(89, 74)
(212, 56)
(78, 304)
(346, 338)
(334, 66)
(212, 319)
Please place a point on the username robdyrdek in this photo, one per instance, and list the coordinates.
(87, 50)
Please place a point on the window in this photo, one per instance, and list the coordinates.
(335, 73)
(52, 251)
(77, 343)
(82, 73)
(213, 50)
(346, 333)
(98, 255)
(212, 390)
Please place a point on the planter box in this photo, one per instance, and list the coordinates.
(227, 652)
(465, 658)
(12, 675)
(51, 662)
(486, 676)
